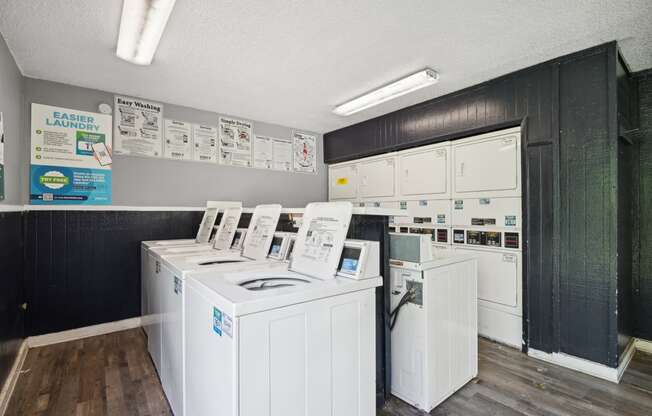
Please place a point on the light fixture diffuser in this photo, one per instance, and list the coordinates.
(141, 27)
(403, 86)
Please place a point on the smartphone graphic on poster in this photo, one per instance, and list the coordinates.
(102, 154)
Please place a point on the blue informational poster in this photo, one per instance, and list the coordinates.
(70, 157)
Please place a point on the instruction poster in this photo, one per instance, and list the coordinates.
(70, 156)
(205, 142)
(235, 142)
(178, 140)
(2, 158)
(138, 127)
(305, 153)
(282, 154)
(263, 152)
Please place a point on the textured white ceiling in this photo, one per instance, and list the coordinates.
(290, 62)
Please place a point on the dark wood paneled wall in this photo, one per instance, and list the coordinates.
(11, 292)
(588, 215)
(643, 254)
(628, 155)
(567, 108)
(83, 267)
(376, 228)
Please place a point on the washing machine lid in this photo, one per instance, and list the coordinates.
(258, 288)
(320, 239)
(228, 226)
(261, 231)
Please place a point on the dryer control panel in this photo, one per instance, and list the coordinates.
(497, 239)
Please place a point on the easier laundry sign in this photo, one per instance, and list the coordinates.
(70, 156)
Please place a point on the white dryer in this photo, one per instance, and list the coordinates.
(293, 342)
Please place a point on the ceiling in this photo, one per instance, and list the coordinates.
(290, 62)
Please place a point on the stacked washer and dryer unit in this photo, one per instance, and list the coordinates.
(466, 194)
(416, 181)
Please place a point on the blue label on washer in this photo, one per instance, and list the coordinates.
(217, 321)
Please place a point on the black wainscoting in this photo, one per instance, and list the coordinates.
(11, 294)
(568, 109)
(643, 262)
(376, 228)
(83, 267)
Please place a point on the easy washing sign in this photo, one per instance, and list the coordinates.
(70, 156)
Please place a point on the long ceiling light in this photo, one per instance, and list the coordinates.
(403, 86)
(141, 27)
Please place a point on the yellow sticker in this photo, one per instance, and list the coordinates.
(342, 181)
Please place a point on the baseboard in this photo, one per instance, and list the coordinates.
(643, 345)
(628, 354)
(85, 332)
(577, 364)
(12, 379)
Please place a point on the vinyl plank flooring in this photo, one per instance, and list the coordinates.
(100, 376)
(113, 375)
(511, 383)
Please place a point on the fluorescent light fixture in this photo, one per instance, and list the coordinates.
(141, 27)
(403, 86)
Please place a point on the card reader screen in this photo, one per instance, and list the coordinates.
(349, 260)
(276, 246)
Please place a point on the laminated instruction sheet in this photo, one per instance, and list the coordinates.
(227, 228)
(207, 224)
(205, 143)
(261, 231)
(320, 239)
(138, 127)
(235, 142)
(305, 153)
(178, 140)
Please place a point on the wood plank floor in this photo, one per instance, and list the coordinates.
(113, 375)
(511, 383)
(104, 375)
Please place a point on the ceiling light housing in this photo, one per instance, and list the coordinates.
(141, 27)
(416, 81)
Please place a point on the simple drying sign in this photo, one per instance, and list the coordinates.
(70, 156)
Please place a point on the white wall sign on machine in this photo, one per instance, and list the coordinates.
(305, 153)
(178, 140)
(138, 127)
(205, 143)
(235, 142)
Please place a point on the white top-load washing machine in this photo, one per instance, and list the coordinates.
(150, 255)
(289, 341)
(223, 237)
(168, 286)
(433, 325)
(203, 233)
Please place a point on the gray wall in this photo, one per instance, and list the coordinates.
(141, 181)
(10, 104)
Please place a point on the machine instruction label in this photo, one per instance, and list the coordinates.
(227, 325)
(510, 220)
(485, 201)
(459, 204)
(441, 218)
(423, 203)
(403, 204)
(217, 321)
